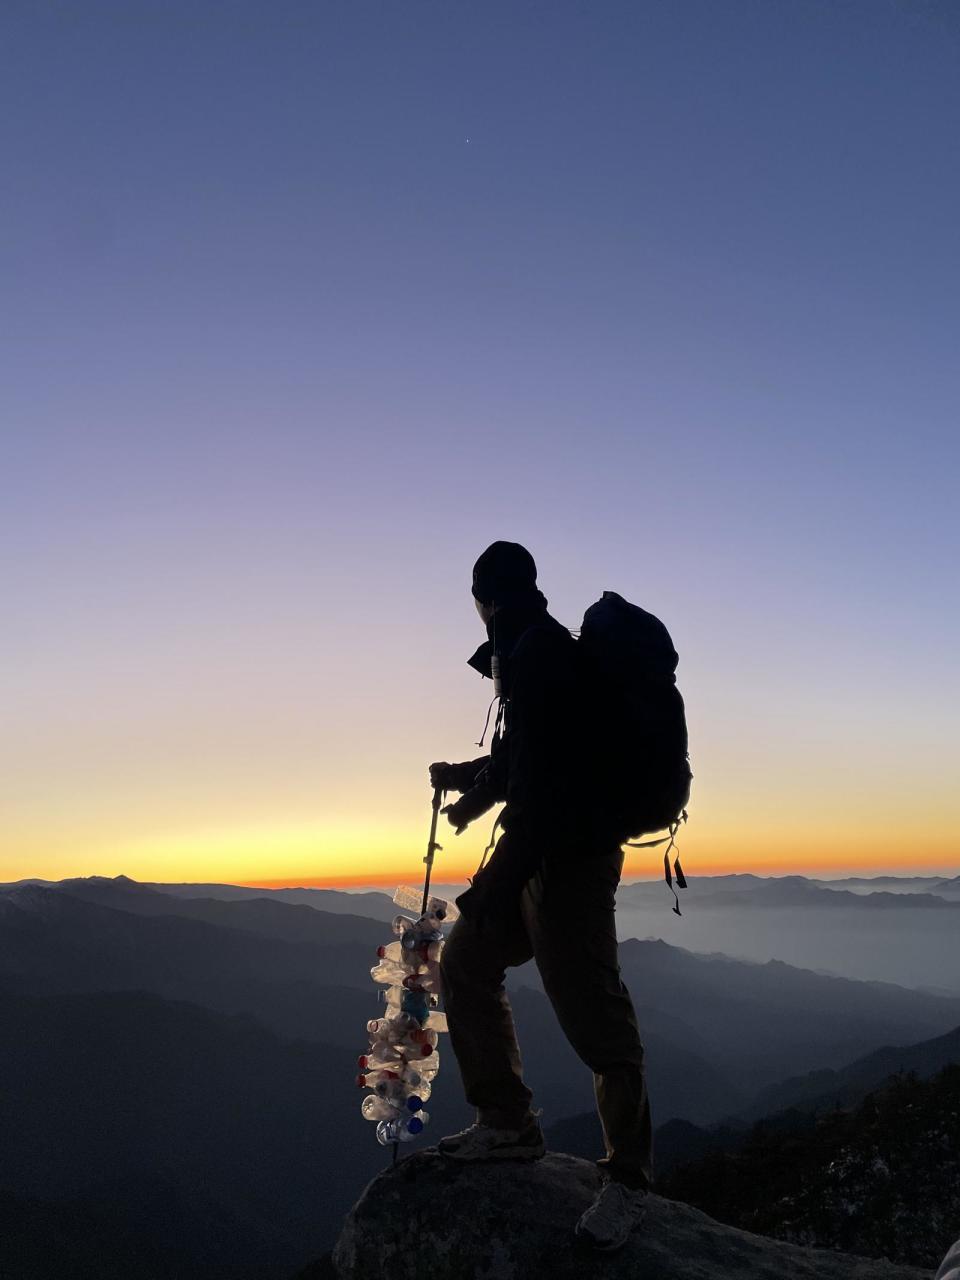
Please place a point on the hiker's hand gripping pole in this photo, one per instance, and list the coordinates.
(432, 846)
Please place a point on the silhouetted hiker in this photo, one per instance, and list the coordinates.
(548, 892)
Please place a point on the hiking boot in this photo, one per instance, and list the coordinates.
(615, 1211)
(484, 1142)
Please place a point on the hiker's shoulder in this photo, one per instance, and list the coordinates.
(545, 640)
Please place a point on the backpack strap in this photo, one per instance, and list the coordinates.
(490, 843)
(678, 870)
(486, 724)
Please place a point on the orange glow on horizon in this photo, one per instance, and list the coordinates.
(634, 869)
(340, 852)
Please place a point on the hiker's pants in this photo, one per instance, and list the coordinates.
(565, 921)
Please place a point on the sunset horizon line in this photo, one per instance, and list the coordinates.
(389, 878)
(372, 880)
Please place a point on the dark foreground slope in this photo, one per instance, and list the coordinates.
(882, 1179)
(513, 1222)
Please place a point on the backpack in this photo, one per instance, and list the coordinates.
(637, 721)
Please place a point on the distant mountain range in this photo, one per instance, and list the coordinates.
(728, 892)
(371, 903)
(305, 972)
(945, 886)
(902, 930)
(376, 905)
(717, 891)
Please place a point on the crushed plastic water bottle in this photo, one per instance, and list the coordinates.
(439, 908)
(375, 1108)
(401, 1129)
(390, 972)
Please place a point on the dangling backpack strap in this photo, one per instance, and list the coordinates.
(678, 870)
(490, 844)
(497, 697)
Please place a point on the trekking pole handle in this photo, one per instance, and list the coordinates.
(432, 846)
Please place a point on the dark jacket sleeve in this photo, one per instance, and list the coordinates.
(461, 777)
(489, 785)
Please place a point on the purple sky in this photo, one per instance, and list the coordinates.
(304, 304)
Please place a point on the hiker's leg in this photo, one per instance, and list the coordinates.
(479, 1018)
(570, 919)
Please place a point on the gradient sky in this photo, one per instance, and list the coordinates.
(303, 304)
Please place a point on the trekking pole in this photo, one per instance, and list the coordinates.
(432, 847)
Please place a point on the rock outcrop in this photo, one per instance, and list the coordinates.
(950, 1267)
(429, 1216)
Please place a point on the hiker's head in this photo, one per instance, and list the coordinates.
(504, 575)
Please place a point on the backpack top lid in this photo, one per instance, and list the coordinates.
(620, 634)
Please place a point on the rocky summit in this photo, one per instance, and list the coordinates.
(429, 1215)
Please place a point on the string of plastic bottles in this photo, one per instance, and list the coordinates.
(402, 1059)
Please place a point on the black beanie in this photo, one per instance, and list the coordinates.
(505, 572)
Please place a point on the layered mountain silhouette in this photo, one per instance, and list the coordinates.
(187, 1061)
(899, 929)
(378, 906)
(826, 1089)
(943, 886)
(305, 973)
(270, 916)
(796, 891)
(792, 1106)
